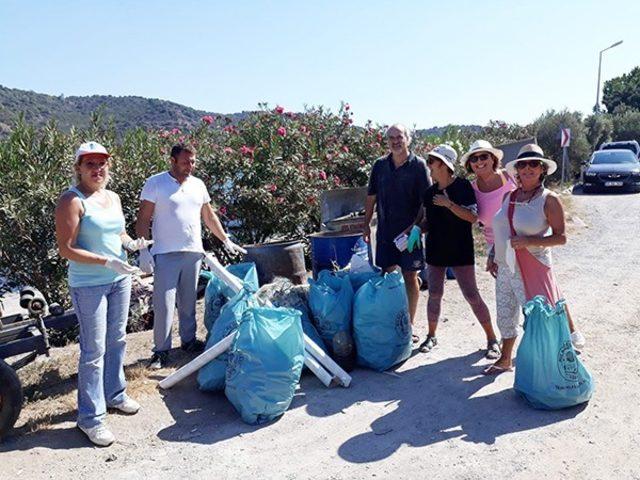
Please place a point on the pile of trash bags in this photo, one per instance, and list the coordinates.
(549, 373)
(362, 314)
(260, 371)
(356, 315)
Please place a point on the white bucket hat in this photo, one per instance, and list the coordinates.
(481, 146)
(446, 153)
(531, 152)
(91, 147)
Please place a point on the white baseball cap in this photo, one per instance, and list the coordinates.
(446, 153)
(91, 147)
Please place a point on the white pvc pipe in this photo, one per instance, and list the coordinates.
(198, 362)
(326, 361)
(317, 369)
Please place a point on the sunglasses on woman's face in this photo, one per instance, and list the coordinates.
(528, 163)
(477, 158)
(431, 160)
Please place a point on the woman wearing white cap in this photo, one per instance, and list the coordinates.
(90, 231)
(529, 223)
(490, 186)
(450, 210)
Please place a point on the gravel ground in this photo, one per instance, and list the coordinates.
(436, 416)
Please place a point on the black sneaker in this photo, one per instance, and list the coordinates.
(194, 346)
(428, 344)
(159, 360)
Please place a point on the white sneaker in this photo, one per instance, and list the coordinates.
(99, 435)
(578, 340)
(129, 406)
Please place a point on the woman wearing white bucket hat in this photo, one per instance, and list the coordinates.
(450, 208)
(90, 231)
(523, 248)
(490, 185)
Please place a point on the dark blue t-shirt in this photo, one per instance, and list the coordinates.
(399, 193)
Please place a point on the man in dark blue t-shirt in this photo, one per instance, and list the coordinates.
(397, 186)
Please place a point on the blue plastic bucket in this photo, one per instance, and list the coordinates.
(329, 248)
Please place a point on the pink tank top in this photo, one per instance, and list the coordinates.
(490, 202)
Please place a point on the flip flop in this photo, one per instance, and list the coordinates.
(428, 344)
(496, 370)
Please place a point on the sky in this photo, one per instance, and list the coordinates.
(423, 63)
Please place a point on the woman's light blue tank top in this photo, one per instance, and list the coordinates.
(99, 233)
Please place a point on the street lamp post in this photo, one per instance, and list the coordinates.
(596, 108)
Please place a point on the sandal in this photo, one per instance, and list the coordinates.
(493, 350)
(415, 338)
(496, 370)
(428, 344)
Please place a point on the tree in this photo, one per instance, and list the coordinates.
(623, 90)
(626, 124)
(547, 130)
(599, 129)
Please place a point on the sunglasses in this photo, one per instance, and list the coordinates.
(477, 158)
(431, 160)
(520, 164)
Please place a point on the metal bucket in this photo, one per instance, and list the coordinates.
(331, 248)
(278, 259)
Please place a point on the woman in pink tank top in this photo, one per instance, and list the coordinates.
(490, 185)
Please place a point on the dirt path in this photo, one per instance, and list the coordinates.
(437, 417)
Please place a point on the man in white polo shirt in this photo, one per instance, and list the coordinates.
(177, 202)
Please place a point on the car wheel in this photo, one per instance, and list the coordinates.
(10, 398)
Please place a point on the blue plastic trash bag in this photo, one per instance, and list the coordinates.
(211, 376)
(265, 363)
(381, 324)
(549, 374)
(217, 293)
(330, 300)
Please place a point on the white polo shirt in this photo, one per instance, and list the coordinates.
(177, 224)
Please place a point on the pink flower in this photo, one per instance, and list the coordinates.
(279, 109)
(271, 187)
(280, 200)
(322, 175)
(222, 210)
(282, 131)
(362, 162)
(311, 200)
(304, 129)
(347, 107)
(328, 156)
(345, 149)
(336, 180)
(181, 139)
(290, 115)
(175, 131)
(228, 150)
(248, 151)
(208, 119)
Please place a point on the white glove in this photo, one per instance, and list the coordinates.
(137, 244)
(145, 260)
(233, 248)
(122, 267)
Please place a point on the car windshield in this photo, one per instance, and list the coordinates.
(613, 156)
(620, 146)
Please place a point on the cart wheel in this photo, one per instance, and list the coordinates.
(10, 398)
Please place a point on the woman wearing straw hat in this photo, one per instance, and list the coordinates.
(529, 223)
(90, 231)
(490, 186)
(450, 207)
